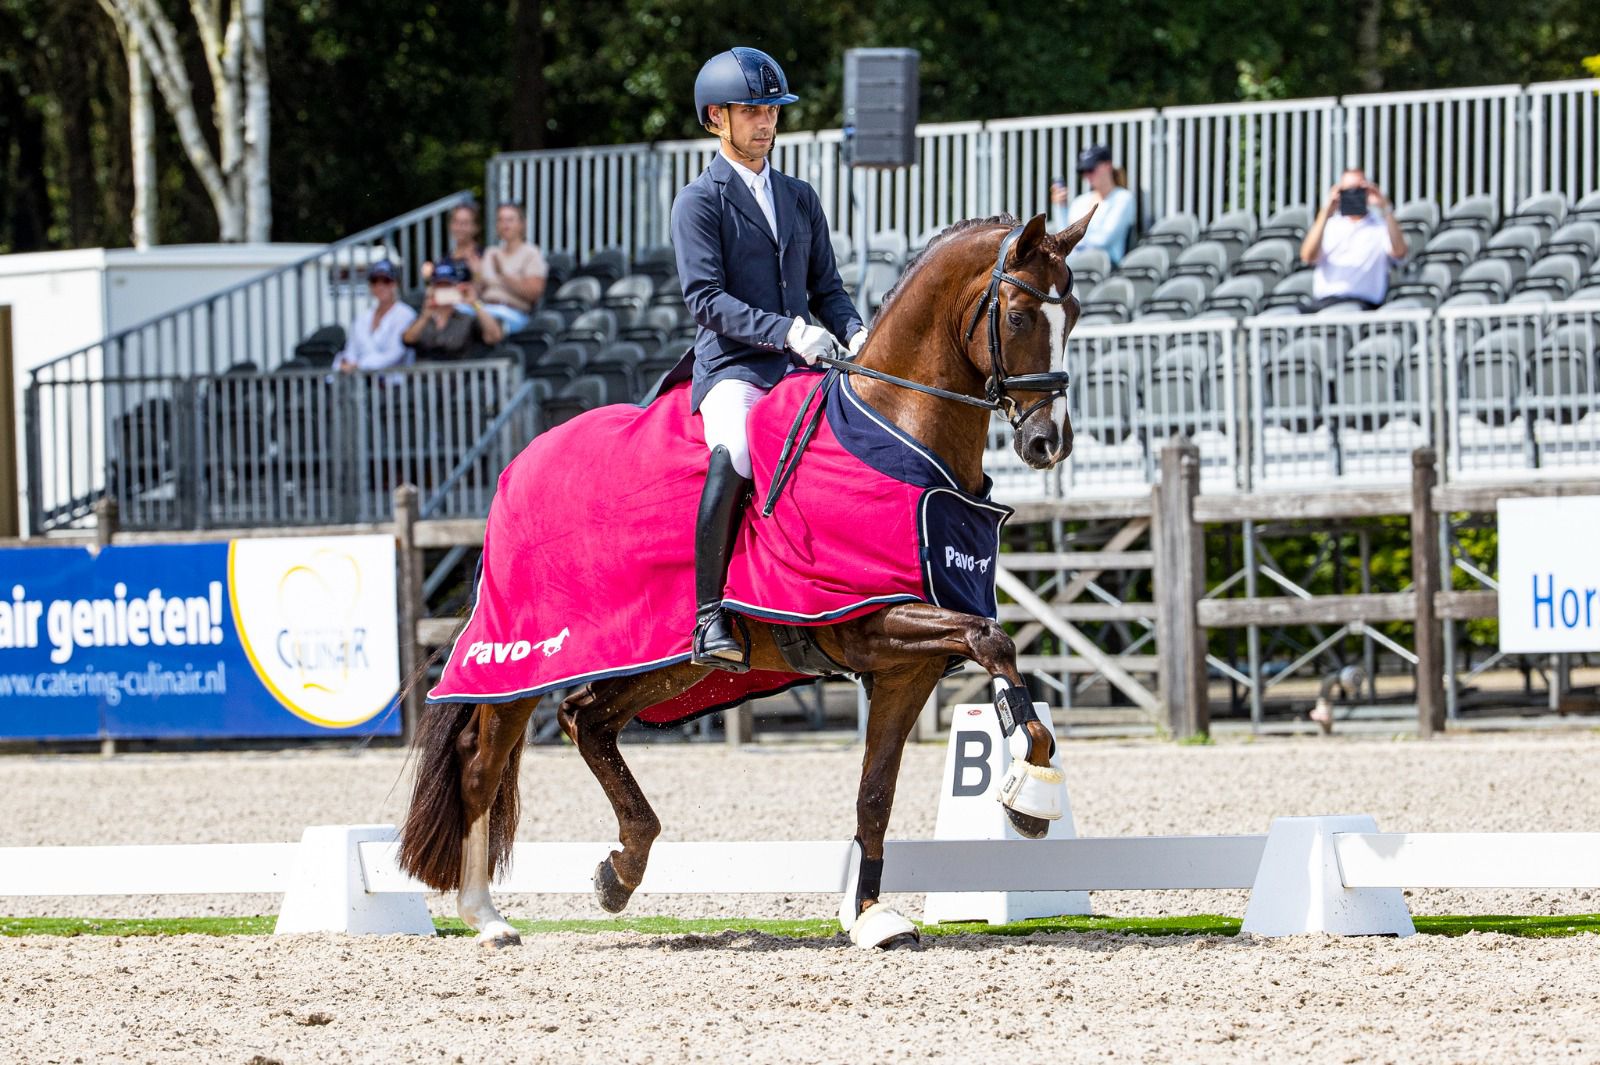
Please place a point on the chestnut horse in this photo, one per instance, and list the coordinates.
(930, 333)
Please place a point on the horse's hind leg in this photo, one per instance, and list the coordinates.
(592, 717)
(489, 749)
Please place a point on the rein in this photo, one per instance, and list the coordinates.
(996, 395)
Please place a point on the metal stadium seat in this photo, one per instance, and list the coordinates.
(1179, 295)
(654, 326)
(1105, 399)
(925, 238)
(1176, 231)
(584, 394)
(1576, 238)
(629, 296)
(1089, 267)
(1453, 247)
(1182, 391)
(1492, 276)
(1365, 384)
(657, 261)
(575, 297)
(1480, 213)
(562, 363)
(1287, 223)
(1491, 374)
(1588, 208)
(594, 329)
(618, 366)
(608, 265)
(1115, 297)
(1556, 274)
(1273, 257)
(1235, 229)
(1238, 296)
(1475, 298)
(1587, 292)
(1209, 259)
(1292, 387)
(1292, 293)
(1147, 262)
(669, 292)
(1561, 374)
(887, 246)
(560, 267)
(844, 249)
(1418, 220)
(1425, 287)
(1518, 245)
(881, 276)
(1543, 210)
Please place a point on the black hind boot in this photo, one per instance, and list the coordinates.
(716, 644)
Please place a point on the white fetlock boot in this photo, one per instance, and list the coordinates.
(878, 925)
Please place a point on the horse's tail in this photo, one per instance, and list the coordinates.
(435, 828)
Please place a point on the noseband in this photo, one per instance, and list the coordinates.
(997, 388)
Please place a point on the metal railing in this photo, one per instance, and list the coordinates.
(1522, 383)
(1339, 396)
(294, 447)
(259, 321)
(1441, 145)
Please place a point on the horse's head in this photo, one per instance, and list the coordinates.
(1016, 335)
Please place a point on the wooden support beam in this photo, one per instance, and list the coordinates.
(1136, 506)
(1086, 612)
(1319, 610)
(1473, 497)
(1179, 582)
(1463, 606)
(436, 632)
(451, 532)
(1220, 509)
(1426, 578)
(411, 606)
(1077, 561)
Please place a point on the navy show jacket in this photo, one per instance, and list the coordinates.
(743, 286)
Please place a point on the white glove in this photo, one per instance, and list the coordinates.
(809, 341)
(858, 342)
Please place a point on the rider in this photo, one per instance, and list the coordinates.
(755, 260)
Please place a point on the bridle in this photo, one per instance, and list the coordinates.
(997, 388)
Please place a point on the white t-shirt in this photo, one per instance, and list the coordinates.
(1111, 225)
(380, 348)
(1356, 253)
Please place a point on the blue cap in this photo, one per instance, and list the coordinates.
(1090, 158)
(740, 76)
(382, 270)
(451, 272)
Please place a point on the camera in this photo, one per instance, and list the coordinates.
(1353, 202)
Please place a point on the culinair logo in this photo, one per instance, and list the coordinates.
(268, 637)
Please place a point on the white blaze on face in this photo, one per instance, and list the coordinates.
(1056, 315)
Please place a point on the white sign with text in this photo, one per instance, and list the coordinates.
(1549, 574)
(969, 808)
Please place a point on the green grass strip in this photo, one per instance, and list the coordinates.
(1205, 925)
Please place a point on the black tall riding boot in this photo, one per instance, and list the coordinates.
(721, 502)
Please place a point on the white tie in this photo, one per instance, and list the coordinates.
(758, 189)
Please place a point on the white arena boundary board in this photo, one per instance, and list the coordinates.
(343, 878)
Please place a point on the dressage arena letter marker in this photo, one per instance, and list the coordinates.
(975, 762)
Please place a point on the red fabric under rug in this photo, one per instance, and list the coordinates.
(588, 560)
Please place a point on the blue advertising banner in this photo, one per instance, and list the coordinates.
(245, 639)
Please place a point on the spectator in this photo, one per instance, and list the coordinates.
(439, 331)
(1352, 243)
(512, 278)
(376, 341)
(464, 246)
(1108, 196)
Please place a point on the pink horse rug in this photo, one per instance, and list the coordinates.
(588, 559)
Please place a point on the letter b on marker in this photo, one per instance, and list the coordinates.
(966, 760)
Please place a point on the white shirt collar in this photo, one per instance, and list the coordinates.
(751, 179)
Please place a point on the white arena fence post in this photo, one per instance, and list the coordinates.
(1300, 888)
(975, 761)
(328, 890)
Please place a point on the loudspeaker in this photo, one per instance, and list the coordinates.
(880, 106)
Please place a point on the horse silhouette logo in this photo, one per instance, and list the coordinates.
(553, 644)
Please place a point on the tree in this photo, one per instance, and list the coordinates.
(235, 176)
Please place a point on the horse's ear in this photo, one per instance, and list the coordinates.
(1033, 235)
(1068, 238)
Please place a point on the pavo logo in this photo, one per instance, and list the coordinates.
(317, 621)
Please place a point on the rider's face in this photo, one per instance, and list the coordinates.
(751, 127)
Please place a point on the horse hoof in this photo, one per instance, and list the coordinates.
(1027, 826)
(609, 891)
(903, 941)
(499, 935)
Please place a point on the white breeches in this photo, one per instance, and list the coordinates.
(724, 411)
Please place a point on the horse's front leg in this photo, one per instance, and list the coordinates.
(898, 695)
(917, 631)
(488, 750)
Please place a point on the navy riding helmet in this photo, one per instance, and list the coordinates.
(740, 76)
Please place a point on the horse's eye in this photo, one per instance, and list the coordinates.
(1015, 318)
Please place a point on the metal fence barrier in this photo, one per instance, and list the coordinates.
(1442, 145)
(288, 448)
